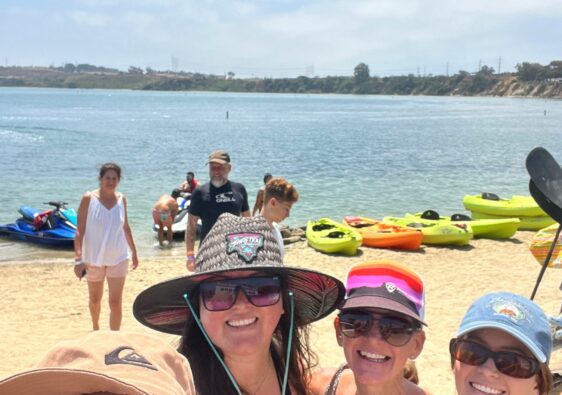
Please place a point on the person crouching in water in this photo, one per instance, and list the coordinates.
(503, 346)
(380, 329)
(163, 214)
(243, 315)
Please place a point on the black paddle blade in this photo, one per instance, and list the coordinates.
(546, 174)
(549, 207)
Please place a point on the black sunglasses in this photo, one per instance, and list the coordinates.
(220, 295)
(510, 363)
(394, 330)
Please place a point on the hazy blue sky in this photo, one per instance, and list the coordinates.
(277, 38)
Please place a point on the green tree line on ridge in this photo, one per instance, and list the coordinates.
(530, 79)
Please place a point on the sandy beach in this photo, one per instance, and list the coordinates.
(44, 303)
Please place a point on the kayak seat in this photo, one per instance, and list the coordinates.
(460, 217)
(430, 214)
(490, 196)
(361, 224)
(320, 227)
(336, 234)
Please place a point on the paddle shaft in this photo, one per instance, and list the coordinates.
(546, 261)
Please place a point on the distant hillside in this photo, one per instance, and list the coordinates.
(531, 80)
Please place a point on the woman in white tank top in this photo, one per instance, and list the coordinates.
(104, 243)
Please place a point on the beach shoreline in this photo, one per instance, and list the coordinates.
(44, 303)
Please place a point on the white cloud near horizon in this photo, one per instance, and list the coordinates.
(281, 38)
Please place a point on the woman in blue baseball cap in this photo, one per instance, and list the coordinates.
(503, 346)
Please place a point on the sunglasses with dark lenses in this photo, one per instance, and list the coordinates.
(395, 331)
(507, 362)
(220, 295)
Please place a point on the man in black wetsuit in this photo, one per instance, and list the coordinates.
(208, 201)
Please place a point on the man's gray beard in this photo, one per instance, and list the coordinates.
(218, 184)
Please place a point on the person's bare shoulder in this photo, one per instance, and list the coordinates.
(414, 389)
(320, 380)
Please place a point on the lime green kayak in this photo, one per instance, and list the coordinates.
(526, 223)
(517, 206)
(332, 237)
(502, 228)
(435, 233)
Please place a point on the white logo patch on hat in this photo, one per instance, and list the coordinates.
(246, 245)
(508, 309)
(390, 287)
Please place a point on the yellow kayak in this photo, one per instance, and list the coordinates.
(435, 233)
(489, 203)
(332, 237)
(526, 223)
(502, 228)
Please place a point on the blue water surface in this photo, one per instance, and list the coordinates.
(347, 155)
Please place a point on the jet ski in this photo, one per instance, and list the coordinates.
(53, 227)
(179, 225)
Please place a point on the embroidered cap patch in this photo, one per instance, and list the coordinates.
(246, 245)
(509, 310)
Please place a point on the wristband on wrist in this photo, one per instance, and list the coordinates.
(78, 262)
(190, 258)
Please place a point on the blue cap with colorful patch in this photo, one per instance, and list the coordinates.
(514, 314)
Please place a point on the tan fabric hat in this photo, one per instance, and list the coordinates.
(221, 157)
(102, 361)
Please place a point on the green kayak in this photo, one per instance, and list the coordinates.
(489, 203)
(434, 232)
(526, 223)
(332, 237)
(502, 228)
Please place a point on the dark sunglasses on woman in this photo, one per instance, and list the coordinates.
(507, 362)
(220, 295)
(394, 330)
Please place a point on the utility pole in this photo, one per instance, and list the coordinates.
(418, 71)
(447, 72)
(479, 65)
(499, 65)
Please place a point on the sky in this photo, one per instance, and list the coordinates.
(282, 38)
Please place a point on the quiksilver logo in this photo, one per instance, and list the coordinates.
(125, 355)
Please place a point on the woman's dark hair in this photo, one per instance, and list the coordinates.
(110, 166)
(210, 377)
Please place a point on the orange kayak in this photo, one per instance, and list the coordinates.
(378, 234)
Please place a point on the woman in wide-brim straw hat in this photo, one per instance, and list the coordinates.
(243, 314)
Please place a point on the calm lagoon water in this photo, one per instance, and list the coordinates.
(360, 155)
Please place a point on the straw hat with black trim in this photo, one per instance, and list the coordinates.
(235, 244)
